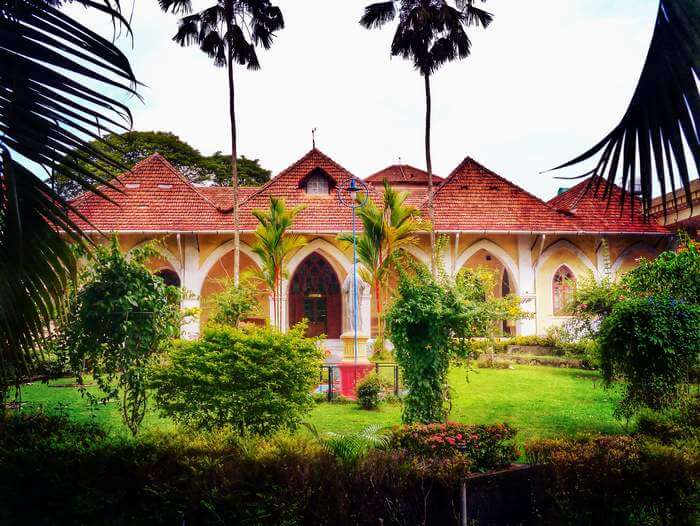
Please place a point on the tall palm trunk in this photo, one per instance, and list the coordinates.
(429, 166)
(234, 161)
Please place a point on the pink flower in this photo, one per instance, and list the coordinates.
(451, 441)
(459, 436)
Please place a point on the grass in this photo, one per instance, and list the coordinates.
(538, 401)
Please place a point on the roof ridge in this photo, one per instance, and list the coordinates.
(160, 157)
(289, 168)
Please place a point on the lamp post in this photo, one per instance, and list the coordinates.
(352, 193)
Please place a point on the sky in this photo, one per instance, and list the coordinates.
(544, 82)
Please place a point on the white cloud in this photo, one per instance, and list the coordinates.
(544, 82)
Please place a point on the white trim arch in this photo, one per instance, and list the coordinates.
(215, 256)
(418, 253)
(497, 251)
(165, 254)
(566, 245)
(639, 246)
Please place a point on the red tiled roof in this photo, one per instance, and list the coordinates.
(596, 213)
(323, 213)
(155, 197)
(158, 198)
(223, 195)
(402, 174)
(473, 198)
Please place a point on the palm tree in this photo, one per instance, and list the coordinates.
(228, 32)
(662, 118)
(55, 76)
(274, 246)
(430, 33)
(386, 231)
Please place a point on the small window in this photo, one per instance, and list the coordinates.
(563, 285)
(317, 184)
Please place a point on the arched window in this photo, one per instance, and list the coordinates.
(563, 285)
(317, 184)
(170, 277)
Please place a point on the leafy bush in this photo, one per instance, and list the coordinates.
(116, 322)
(422, 322)
(677, 423)
(618, 480)
(652, 343)
(54, 471)
(368, 391)
(491, 362)
(235, 303)
(487, 446)
(254, 379)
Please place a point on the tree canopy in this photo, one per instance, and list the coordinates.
(131, 147)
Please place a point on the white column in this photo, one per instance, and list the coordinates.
(602, 255)
(284, 305)
(526, 287)
(366, 308)
(191, 286)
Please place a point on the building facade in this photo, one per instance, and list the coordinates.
(537, 248)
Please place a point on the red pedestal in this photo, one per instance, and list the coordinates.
(350, 375)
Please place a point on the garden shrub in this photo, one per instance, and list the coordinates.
(368, 391)
(252, 378)
(116, 322)
(673, 424)
(422, 322)
(58, 472)
(488, 447)
(492, 362)
(652, 343)
(618, 480)
(234, 303)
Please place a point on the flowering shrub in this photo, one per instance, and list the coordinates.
(487, 446)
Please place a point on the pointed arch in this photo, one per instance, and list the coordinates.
(497, 251)
(569, 246)
(341, 263)
(640, 248)
(216, 255)
(165, 254)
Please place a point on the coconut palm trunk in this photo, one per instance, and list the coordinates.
(429, 169)
(234, 162)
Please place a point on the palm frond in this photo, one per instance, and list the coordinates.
(661, 120)
(376, 15)
(55, 74)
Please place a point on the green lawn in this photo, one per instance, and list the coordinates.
(538, 401)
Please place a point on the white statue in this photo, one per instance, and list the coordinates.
(349, 303)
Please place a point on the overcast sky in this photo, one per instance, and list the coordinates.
(544, 82)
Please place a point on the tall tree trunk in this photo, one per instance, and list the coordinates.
(380, 321)
(234, 169)
(429, 167)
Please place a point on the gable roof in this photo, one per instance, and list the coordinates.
(594, 212)
(475, 199)
(403, 174)
(154, 196)
(157, 198)
(323, 213)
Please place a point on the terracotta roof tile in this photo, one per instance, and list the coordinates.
(156, 197)
(473, 198)
(594, 212)
(403, 174)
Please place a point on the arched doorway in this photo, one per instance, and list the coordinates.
(314, 294)
(169, 276)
